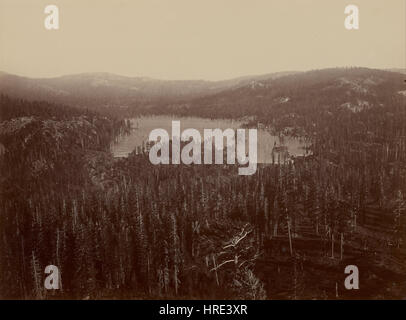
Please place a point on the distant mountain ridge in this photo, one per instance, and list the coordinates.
(353, 89)
(399, 70)
(106, 89)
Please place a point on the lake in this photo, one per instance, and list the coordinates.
(142, 127)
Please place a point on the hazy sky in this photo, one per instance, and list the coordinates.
(198, 39)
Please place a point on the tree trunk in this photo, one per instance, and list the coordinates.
(290, 239)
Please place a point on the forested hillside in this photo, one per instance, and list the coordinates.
(101, 90)
(124, 228)
(353, 89)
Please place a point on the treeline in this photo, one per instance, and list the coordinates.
(14, 108)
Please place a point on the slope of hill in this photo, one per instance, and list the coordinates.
(38, 139)
(105, 89)
(398, 70)
(354, 89)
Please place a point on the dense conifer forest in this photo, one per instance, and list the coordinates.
(124, 228)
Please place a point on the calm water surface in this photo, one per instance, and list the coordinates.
(144, 125)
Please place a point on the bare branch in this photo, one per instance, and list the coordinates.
(222, 264)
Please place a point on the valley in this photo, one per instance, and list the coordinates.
(78, 191)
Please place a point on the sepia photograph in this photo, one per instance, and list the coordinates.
(202, 150)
